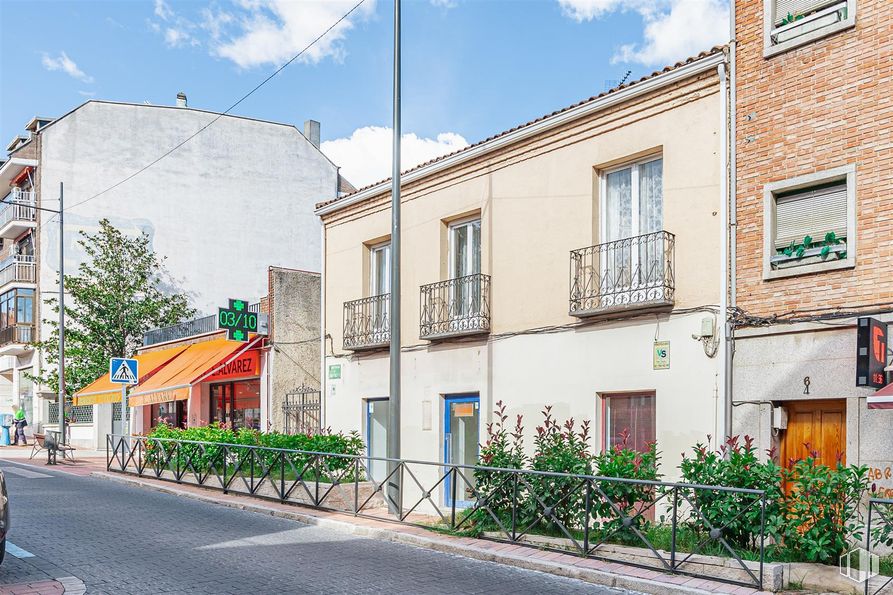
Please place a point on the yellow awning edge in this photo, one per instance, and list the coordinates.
(103, 390)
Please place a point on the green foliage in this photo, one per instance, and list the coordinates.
(292, 460)
(822, 508)
(504, 451)
(797, 250)
(790, 18)
(116, 296)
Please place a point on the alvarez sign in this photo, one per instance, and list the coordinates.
(246, 365)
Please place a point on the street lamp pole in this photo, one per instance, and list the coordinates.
(61, 316)
(394, 487)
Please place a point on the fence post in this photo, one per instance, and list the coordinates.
(356, 486)
(675, 525)
(453, 483)
(282, 476)
(177, 450)
(868, 542)
(762, 534)
(225, 465)
(251, 452)
(515, 507)
(588, 516)
(108, 462)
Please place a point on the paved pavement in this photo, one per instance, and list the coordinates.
(120, 539)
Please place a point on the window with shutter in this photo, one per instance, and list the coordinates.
(812, 212)
(793, 23)
(796, 8)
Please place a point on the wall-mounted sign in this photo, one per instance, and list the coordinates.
(335, 372)
(871, 352)
(246, 365)
(237, 320)
(661, 355)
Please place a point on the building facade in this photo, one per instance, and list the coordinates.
(220, 209)
(575, 261)
(811, 205)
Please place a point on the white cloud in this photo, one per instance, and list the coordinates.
(162, 10)
(272, 31)
(66, 65)
(365, 157)
(87, 93)
(175, 38)
(445, 4)
(673, 29)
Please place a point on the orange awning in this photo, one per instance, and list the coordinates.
(102, 390)
(882, 399)
(174, 380)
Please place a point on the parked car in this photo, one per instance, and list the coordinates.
(4, 515)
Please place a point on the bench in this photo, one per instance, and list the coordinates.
(53, 447)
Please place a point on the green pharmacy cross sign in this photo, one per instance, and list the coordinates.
(237, 320)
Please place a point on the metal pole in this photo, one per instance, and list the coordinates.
(61, 316)
(394, 404)
(125, 430)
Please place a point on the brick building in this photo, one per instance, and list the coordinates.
(813, 131)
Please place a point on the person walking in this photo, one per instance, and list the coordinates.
(20, 423)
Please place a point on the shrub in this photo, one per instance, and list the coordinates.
(505, 451)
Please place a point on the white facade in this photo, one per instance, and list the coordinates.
(220, 210)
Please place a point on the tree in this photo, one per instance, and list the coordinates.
(115, 297)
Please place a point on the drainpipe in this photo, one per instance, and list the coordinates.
(733, 218)
(724, 244)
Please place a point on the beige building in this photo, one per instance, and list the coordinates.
(574, 261)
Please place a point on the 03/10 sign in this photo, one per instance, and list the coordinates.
(237, 320)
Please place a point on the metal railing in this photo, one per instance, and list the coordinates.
(878, 533)
(18, 205)
(367, 322)
(19, 333)
(590, 515)
(454, 307)
(19, 268)
(302, 410)
(626, 274)
(78, 414)
(188, 328)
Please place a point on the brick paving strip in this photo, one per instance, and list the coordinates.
(67, 585)
(599, 572)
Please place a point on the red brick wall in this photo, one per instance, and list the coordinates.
(823, 105)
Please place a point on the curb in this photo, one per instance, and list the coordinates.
(588, 575)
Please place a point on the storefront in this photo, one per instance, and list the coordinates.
(234, 393)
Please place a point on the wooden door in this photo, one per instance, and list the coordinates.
(818, 426)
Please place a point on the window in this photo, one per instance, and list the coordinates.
(465, 248)
(810, 224)
(236, 404)
(628, 420)
(792, 23)
(380, 269)
(17, 307)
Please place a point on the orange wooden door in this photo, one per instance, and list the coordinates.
(818, 426)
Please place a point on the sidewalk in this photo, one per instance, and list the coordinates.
(590, 570)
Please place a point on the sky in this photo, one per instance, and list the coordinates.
(471, 68)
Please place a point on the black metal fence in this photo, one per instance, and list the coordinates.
(455, 307)
(878, 533)
(590, 516)
(187, 328)
(625, 274)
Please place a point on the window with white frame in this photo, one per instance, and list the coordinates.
(792, 23)
(810, 223)
(380, 269)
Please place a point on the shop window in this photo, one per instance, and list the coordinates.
(628, 419)
(793, 23)
(172, 413)
(236, 404)
(810, 224)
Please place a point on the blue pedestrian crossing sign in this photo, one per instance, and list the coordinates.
(123, 370)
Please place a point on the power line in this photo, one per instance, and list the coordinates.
(220, 115)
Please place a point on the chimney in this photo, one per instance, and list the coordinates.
(311, 131)
(181, 99)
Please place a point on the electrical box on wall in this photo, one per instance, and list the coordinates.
(779, 418)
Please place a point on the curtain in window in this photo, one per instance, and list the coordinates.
(632, 414)
(619, 205)
(651, 219)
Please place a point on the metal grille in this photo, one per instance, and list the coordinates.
(189, 328)
(17, 269)
(456, 307)
(78, 414)
(20, 333)
(302, 410)
(625, 274)
(116, 412)
(367, 322)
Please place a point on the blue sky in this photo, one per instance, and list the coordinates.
(472, 68)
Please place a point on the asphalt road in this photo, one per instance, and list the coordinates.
(122, 539)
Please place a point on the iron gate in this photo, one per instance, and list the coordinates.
(302, 409)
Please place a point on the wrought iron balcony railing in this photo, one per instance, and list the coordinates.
(629, 274)
(455, 307)
(18, 206)
(17, 269)
(367, 322)
(19, 333)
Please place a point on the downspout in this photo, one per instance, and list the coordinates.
(322, 313)
(733, 219)
(724, 244)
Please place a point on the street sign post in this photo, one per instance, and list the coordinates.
(237, 320)
(124, 371)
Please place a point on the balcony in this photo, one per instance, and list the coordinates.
(622, 276)
(17, 214)
(456, 307)
(17, 269)
(16, 340)
(367, 323)
(199, 326)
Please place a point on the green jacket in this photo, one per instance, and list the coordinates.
(20, 414)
